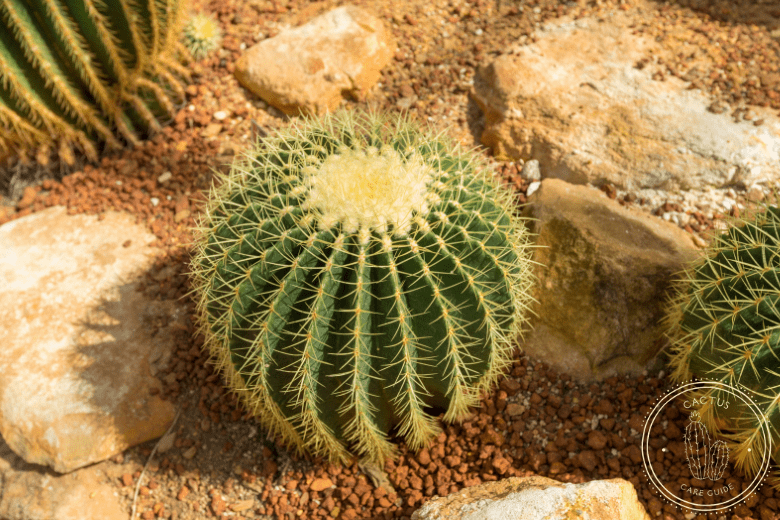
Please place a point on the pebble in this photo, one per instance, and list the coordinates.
(321, 484)
(220, 115)
(531, 171)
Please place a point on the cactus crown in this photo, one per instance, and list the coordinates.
(354, 272)
(725, 326)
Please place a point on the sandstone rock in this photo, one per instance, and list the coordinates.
(575, 101)
(308, 69)
(538, 498)
(77, 350)
(29, 492)
(603, 281)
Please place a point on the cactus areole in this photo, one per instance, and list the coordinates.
(354, 274)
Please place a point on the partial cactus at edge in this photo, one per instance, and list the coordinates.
(201, 35)
(725, 326)
(355, 272)
(86, 72)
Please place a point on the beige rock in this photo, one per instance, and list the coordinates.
(576, 102)
(28, 492)
(538, 498)
(77, 350)
(603, 281)
(310, 68)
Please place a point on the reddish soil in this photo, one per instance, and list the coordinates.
(222, 464)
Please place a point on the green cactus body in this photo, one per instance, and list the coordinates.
(201, 35)
(725, 327)
(80, 73)
(353, 273)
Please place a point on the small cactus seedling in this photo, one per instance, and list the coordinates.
(201, 35)
(354, 274)
(725, 327)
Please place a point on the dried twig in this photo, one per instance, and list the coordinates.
(141, 477)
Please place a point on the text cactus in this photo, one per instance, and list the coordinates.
(725, 327)
(355, 273)
(83, 73)
(697, 447)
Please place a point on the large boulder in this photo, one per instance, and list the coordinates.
(575, 101)
(604, 277)
(538, 498)
(75, 381)
(310, 68)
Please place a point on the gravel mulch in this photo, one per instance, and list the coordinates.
(222, 465)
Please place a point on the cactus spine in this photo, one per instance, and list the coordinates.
(85, 72)
(354, 272)
(725, 326)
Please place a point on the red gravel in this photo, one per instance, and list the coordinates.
(537, 421)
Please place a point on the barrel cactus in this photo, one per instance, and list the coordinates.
(725, 327)
(354, 274)
(84, 73)
(201, 35)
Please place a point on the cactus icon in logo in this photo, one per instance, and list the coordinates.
(677, 426)
(706, 459)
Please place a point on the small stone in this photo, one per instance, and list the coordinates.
(424, 457)
(212, 130)
(588, 460)
(183, 492)
(532, 188)
(190, 453)
(242, 505)
(531, 171)
(597, 440)
(321, 484)
(514, 409)
(165, 177)
(220, 115)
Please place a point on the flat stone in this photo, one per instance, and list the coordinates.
(575, 101)
(537, 498)
(31, 492)
(78, 351)
(309, 69)
(604, 275)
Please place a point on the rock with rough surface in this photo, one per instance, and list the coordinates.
(576, 101)
(30, 492)
(538, 498)
(603, 281)
(75, 382)
(309, 69)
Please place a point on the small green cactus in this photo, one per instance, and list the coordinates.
(201, 35)
(725, 326)
(353, 274)
(86, 73)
